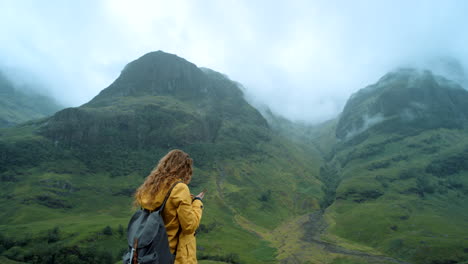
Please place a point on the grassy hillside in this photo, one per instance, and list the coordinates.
(406, 197)
(401, 186)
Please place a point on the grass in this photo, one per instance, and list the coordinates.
(81, 203)
(253, 201)
(5, 260)
(418, 223)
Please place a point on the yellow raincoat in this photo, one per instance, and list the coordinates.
(179, 212)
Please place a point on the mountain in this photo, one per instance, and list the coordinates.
(397, 179)
(406, 100)
(68, 179)
(20, 104)
(161, 101)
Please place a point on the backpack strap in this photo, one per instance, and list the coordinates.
(161, 208)
(134, 258)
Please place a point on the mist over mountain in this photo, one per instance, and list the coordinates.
(19, 104)
(449, 67)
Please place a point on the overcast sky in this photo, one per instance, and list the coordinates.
(303, 59)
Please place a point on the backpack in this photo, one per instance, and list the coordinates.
(147, 237)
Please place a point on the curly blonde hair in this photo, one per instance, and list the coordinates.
(176, 165)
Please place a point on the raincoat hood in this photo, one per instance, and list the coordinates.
(150, 202)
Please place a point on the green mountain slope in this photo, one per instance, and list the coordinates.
(17, 105)
(397, 181)
(68, 180)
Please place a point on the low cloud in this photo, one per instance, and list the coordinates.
(302, 59)
(368, 122)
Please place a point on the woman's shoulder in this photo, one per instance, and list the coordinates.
(180, 192)
(180, 187)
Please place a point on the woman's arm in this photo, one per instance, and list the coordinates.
(188, 212)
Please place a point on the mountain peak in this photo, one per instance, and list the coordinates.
(405, 99)
(414, 78)
(159, 61)
(156, 73)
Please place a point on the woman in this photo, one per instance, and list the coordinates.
(183, 212)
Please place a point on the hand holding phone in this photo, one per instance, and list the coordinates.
(202, 194)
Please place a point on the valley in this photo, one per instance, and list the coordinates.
(384, 182)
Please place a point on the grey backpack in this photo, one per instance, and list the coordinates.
(147, 237)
